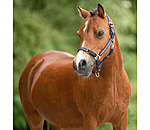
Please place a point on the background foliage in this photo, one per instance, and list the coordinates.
(42, 25)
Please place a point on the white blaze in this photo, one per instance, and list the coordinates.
(83, 44)
(80, 53)
(85, 26)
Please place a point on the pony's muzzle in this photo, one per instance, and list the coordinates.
(80, 67)
(83, 67)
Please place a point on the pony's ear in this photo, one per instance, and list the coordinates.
(101, 11)
(83, 12)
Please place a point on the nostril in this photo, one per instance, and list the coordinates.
(83, 63)
(74, 65)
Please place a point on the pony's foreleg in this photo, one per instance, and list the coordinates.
(122, 124)
(89, 122)
(54, 128)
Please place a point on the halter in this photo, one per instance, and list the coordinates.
(98, 56)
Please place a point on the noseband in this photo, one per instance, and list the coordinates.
(98, 56)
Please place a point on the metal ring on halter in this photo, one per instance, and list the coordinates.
(97, 57)
(97, 74)
(112, 45)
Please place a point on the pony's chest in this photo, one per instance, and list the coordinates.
(93, 94)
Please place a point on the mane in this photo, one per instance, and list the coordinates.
(93, 12)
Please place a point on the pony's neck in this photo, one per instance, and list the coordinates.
(115, 60)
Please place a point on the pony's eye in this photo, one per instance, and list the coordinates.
(100, 33)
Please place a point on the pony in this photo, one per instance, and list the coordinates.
(60, 88)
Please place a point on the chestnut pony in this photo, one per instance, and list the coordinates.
(60, 88)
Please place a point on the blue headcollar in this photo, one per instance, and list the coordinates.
(98, 56)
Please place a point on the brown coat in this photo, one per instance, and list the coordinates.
(51, 90)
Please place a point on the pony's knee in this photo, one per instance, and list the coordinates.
(54, 128)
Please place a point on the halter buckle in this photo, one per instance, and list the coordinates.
(111, 24)
(97, 57)
(87, 50)
(112, 41)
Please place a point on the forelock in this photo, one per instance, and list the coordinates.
(93, 12)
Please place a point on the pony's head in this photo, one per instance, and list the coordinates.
(94, 34)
